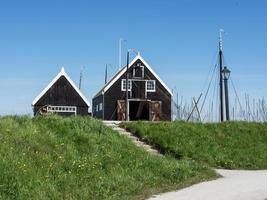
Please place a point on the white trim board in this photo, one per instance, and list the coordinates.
(61, 73)
(120, 73)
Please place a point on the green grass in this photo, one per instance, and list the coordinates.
(232, 145)
(79, 158)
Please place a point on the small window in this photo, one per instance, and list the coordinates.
(138, 71)
(123, 85)
(151, 86)
(100, 106)
(96, 108)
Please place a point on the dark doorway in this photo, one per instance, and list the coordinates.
(138, 90)
(139, 110)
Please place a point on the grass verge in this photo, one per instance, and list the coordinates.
(79, 158)
(231, 145)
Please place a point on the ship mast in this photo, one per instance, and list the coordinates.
(221, 78)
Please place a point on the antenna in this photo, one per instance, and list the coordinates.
(220, 39)
(120, 48)
(81, 75)
(106, 72)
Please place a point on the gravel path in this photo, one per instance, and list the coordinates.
(235, 185)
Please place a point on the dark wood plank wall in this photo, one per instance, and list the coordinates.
(62, 94)
(114, 93)
(96, 101)
(138, 89)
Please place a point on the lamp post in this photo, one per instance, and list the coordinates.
(226, 74)
(220, 74)
(127, 79)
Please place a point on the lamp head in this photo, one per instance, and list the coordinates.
(226, 73)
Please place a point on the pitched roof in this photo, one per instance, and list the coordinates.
(61, 73)
(123, 70)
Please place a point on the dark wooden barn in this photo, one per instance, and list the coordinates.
(61, 96)
(149, 97)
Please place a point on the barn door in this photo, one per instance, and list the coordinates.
(120, 110)
(155, 110)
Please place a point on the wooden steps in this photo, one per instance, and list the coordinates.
(114, 125)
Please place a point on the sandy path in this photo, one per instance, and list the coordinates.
(235, 185)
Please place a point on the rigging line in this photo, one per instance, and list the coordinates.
(214, 90)
(232, 83)
(194, 107)
(249, 109)
(264, 115)
(214, 69)
(218, 99)
(210, 69)
(216, 93)
(224, 60)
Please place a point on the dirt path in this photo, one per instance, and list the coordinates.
(235, 185)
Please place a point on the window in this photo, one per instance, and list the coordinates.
(96, 108)
(62, 109)
(151, 86)
(123, 85)
(138, 71)
(100, 106)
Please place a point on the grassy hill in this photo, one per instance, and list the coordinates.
(79, 158)
(233, 145)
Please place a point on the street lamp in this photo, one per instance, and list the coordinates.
(226, 74)
(127, 78)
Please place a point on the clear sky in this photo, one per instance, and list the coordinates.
(178, 38)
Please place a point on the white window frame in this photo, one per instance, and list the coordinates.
(96, 108)
(62, 109)
(129, 85)
(151, 90)
(100, 106)
(142, 68)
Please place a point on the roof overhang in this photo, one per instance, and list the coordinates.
(123, 70)
(61, 73)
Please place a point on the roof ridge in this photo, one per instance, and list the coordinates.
(61, 73)
(122, 70)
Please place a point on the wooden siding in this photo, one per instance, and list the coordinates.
(61, 93)
(114, 93)
(97, 101)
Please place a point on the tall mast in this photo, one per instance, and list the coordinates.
(120, 49)
(106, 73)
(221, 78)
(81, 76)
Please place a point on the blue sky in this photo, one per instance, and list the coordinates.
(178, 38)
